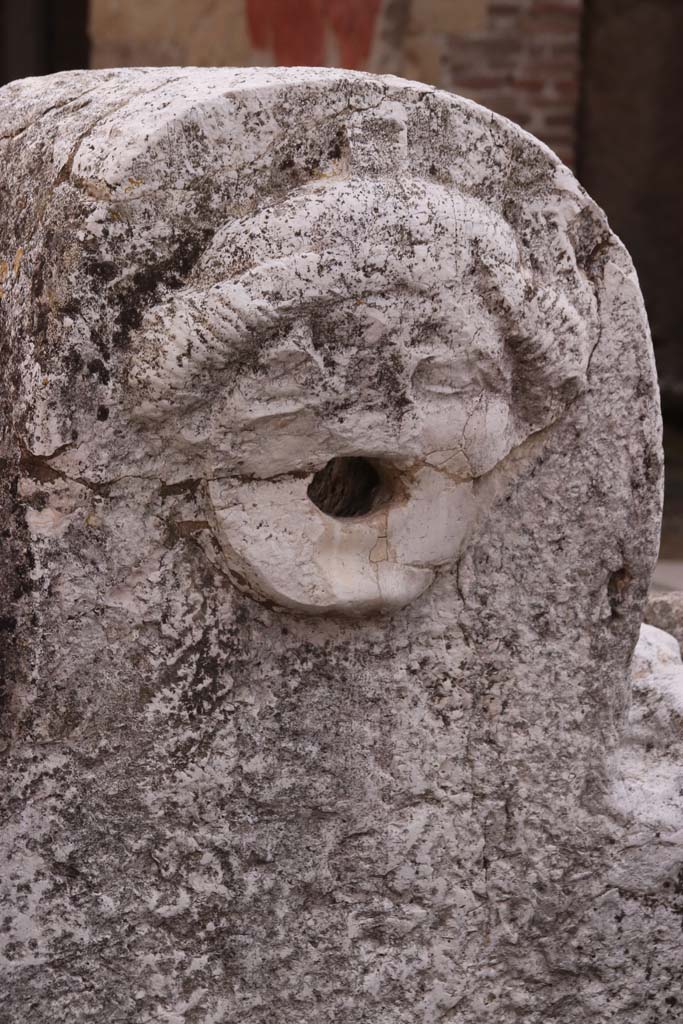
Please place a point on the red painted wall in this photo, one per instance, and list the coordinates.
(294, 32)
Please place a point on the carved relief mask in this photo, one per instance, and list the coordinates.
(346, 368)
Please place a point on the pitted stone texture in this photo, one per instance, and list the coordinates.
(665, 611)
(270, 763)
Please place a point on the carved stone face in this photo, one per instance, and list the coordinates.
(355, 358)
(319, 339)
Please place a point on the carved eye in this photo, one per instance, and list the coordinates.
(444, 375)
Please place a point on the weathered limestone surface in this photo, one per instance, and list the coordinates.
(292, 743)
(665, 610)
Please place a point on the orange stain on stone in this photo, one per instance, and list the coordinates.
(295, 32)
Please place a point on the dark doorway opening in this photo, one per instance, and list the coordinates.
(631, 155)
(38, 37)
(631, 162)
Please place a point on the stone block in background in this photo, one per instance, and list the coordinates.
(665, 610)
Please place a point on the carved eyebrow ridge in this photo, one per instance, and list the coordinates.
(356, 211)
(275, 291)
(423, 240)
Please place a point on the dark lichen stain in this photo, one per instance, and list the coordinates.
(103, 271)
(16, 565)
(73, 361)
(144, 286)
(96, 368)
(337, 146)
(37, 468)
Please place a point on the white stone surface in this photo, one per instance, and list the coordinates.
(650, 755)
(267, 762)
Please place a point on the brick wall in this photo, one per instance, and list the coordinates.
(523, 63)
(519, 57)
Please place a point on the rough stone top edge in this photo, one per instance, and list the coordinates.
(15, 96)
(25, 102)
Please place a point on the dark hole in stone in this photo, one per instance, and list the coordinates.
(347, 487)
